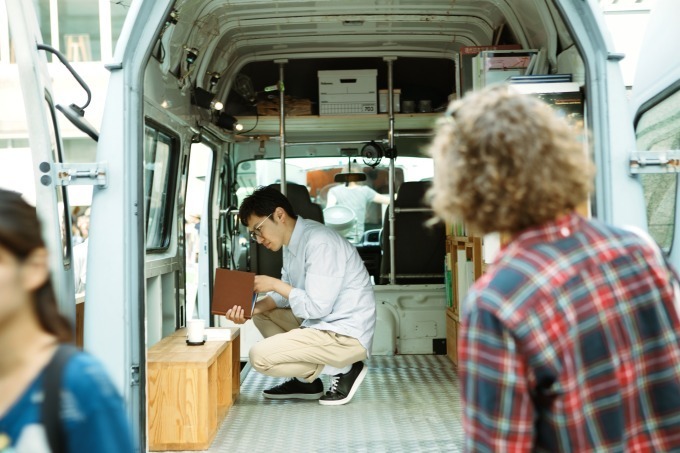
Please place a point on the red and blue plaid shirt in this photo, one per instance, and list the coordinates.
(571, 342)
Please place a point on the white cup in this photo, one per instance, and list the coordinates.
(195, 330)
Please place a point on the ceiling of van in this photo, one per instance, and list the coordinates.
(231, 37)
(232, 33)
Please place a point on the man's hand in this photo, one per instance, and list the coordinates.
(265, 283)
(236, 314)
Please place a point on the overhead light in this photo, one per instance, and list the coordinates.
(244, 87)
(192, 55)
(173, 18)
(228, 122)
(214, 79)
(206, 99)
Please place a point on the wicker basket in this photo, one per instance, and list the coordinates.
(294, 107)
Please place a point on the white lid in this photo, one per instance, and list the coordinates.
(349, 73)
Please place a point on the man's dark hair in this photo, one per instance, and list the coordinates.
(263, 202)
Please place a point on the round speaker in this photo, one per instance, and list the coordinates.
(372, 153)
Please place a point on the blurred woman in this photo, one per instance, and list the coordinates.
(91, 412)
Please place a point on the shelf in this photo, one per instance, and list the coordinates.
(472, 249)
(358, 125)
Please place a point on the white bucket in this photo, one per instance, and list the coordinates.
(340, 218)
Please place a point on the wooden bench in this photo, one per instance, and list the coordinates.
(190, 390)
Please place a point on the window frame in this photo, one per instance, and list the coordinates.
(664, 99)
(170, 186)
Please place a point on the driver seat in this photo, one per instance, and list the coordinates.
(419, 249)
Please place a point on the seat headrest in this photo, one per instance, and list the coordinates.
(411, 194)
(297, 191)
(299, 198)
(294, 191)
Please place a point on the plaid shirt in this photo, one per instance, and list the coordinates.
(571, 342)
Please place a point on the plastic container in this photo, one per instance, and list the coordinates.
(382, 100)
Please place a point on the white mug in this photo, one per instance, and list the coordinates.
(195, 330)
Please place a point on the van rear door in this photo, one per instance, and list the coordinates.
(118, 220)
(46, 148)
(655, 106)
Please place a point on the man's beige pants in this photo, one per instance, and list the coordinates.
(291, 351)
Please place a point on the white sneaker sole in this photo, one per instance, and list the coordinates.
(294, 396)
(348, 398)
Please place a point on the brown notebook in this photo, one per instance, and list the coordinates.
(233, 288)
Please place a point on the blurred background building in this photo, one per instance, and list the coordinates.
(627, 21)
(86, 32)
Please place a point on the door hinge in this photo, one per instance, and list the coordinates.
(91, 174)
(134, 375)
(655, 162)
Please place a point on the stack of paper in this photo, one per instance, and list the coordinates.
(218, 334)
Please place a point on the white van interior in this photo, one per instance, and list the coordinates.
(210, 99)
(217, 75)
(298, 84)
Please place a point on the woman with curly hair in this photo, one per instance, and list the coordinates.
(569, 341)
(42, 410)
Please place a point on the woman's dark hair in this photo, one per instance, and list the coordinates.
(20, 235)
(263, 202)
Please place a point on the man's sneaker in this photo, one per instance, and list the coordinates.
(294, 389)
(344, 386)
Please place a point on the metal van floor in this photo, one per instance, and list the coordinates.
(406, 403)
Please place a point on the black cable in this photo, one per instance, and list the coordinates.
(257, 120)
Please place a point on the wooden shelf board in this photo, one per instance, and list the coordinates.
(269, 125)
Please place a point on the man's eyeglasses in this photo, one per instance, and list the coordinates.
(256, 233)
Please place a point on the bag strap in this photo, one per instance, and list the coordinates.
(51, 418)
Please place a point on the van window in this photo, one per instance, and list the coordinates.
(196, 202)
(318, 174)
(160, 167)
(658, 130)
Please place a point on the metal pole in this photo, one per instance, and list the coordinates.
(456, 62)
(390, 136)
(282, 124)
(339, 142)
(413, 135)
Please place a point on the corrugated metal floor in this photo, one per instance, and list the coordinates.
(407, 403)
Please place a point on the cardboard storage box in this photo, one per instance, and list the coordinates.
(348, 92)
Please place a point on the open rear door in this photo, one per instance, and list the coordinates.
(46, 148)
(656, 117)
(115, 316)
